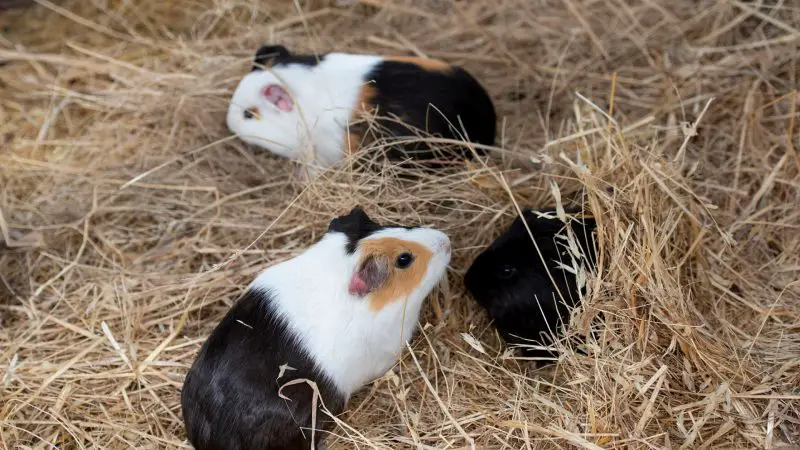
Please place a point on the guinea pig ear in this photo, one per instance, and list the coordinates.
(354, 220)
(356, 226)
(370, 277)
(277, 95)
(267, 53)
(358, 214)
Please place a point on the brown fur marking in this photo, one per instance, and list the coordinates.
(400, 282)
(365, 105)
(352, 140)
(431, 65)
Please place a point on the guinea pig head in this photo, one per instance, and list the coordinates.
(529, 296)
(392, 264)
(263, 109)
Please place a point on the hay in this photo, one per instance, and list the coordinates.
(672, 121)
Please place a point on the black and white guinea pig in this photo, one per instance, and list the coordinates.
(338, 314)
(290, 103)
(510, 280)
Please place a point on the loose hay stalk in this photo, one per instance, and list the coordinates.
(153, 220)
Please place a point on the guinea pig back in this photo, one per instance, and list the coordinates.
(407, 95)
(231, 398)
(511, 281)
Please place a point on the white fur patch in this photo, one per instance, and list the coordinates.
(324, 98)
(350, 342)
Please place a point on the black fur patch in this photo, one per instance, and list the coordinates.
(230, 397)
(279, 55)
(356, 225)
(510, 281)
(441, 103)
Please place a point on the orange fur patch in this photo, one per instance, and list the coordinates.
(366, 99)
(352, 141)
(401, 282)
(365, 105)
(431, 65)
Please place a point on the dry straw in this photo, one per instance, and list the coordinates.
(131, 220)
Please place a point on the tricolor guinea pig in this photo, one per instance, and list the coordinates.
(293, 104)
(338, 314)
(510, 279)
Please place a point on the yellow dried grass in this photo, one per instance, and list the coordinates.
(132, 219)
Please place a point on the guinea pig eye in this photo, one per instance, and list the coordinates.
(250, 113)
(404, 260)
(506, 272)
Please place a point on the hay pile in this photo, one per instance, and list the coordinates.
(134, 220)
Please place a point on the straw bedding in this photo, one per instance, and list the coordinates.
(131, 220)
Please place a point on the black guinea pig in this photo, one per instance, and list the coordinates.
(510, 280)
(315, 108)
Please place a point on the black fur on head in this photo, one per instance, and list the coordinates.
(356, 225)
(267, 53)
(510, 281)
(276, 55)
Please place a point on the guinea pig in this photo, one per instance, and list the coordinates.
(510, 280)
(338, 314)
(291, 103)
